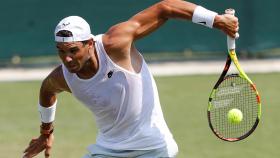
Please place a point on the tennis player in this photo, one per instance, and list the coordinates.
(110, 77)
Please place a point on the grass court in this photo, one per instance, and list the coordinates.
(184, 101)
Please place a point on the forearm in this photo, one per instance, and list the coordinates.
(189, 11)
(51, 86)
(155, 16)
(47, 108)
(150, 19)
(177, 9)
(185, 10)
(47, 105)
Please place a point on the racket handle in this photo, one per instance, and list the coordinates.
(230, 40)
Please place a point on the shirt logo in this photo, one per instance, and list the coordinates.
(65, 24)
(202, 22)
(110, 74)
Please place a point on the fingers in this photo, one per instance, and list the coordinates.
(38, 145)
(231, 26)
(233, 35)
(33, 151)
(30, 144)
(47, 152)
(29, 155)
(234, 28)
(49, 146)
(237, 35)
(32, 141)
(34, 148)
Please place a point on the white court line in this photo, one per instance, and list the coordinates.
(213, 67)
(20, 74)
(158, 69)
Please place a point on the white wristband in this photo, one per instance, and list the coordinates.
(47, 114)
(203, 16)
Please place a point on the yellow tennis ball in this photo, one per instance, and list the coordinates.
(235, 116)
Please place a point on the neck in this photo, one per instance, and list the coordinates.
(90, 67)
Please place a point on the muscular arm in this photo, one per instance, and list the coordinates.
(152, 18)
(121, 36)
(53, 84)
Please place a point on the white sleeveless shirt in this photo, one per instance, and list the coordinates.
(125, 104)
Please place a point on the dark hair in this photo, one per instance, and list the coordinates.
(66, 33)
(85, 42)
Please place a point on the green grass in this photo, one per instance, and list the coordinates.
(184, 102)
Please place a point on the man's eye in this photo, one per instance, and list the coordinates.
(74, 50)
(61, 51)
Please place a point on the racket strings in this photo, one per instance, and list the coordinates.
(233, 92)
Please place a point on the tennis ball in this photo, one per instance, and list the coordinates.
(235, 116)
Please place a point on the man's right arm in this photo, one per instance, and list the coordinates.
(53, 84)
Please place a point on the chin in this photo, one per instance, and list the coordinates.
(73, 70)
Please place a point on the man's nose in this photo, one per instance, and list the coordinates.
(68, 59)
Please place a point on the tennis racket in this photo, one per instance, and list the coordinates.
(233, 91)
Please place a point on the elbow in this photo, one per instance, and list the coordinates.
(165, 8)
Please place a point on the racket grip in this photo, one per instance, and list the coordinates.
(230, 40)
(230, 43)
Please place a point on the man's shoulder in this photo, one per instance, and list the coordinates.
(57, 72)
(57, 80)
(115, 43)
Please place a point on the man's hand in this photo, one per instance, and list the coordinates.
(44, 142)
(227, 23)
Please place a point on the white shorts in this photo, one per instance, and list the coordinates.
(100, 152)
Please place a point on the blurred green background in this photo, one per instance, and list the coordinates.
(27, 28)
(26, 39)
(184, 103)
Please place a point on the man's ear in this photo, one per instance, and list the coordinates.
(90, 43)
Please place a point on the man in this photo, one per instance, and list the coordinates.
(109, 75)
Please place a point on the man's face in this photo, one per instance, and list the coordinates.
(73, 55)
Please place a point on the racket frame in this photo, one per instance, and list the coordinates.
(233, 57)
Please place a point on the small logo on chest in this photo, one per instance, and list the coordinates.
(110, 74)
